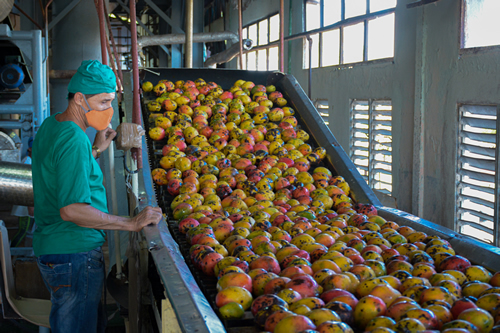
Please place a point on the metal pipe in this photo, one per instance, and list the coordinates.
(11, 124)
(240, 31)
(16, 186)
(60, 74)
(102, 30)
(46, 14)
(17, 109)
(46, 18)
(113, 67)
(290, 18)
(189, 34)
(200, 37)
(309, 39)
(228, 54)
(282, 36)
(39, 75)
(115, 53)
(136, 107)
(28, 17)
(114, 201)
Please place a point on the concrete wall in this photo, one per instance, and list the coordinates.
(74, 39)
(426, 80)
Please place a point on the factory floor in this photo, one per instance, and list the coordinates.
(29, 284)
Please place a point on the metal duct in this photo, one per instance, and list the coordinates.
(228, 54)
(16, 186)
(201, 37)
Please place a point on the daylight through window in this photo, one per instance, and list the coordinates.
(480, 23)
(371, 142)
(263, 32)
(477, 172)
(361, 31)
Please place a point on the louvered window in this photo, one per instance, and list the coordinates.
(477, 173)
(323, 109)
(371, 142)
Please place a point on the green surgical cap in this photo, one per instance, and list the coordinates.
(92, 77)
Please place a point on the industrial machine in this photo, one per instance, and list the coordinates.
(173, 284)
(23, 81)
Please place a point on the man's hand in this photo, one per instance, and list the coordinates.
(149, 215)
(104, 138)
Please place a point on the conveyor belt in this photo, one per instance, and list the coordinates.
(163, 237)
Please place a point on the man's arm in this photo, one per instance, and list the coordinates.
(87, 216)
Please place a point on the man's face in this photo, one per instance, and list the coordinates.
(101, 102)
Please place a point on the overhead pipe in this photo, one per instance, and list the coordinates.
(16, 185)
(282, 36)
(189, 34)
(240, 30)
(229, 54)
(200, 37)
(136, 106)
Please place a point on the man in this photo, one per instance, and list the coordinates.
(70, 201)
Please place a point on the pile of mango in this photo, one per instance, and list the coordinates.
(282, 234)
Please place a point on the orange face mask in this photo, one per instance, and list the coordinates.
(98, 119)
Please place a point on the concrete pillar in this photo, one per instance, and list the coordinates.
(74, 39)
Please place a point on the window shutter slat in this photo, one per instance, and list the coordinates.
(479, 123)
(371, 135)
(477, 171)
(490, 152)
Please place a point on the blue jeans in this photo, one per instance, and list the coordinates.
(75, 282)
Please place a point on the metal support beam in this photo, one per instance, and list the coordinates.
(240, 29)
(125, 8)
(282, 37)
(102, 30)
(63, 13)
(164, 16)
(177, 55)
(136, 108)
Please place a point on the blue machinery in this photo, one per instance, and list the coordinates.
(33, 103)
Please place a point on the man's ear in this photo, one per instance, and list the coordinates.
(79, 99)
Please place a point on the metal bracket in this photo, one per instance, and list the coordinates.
(63, 13)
